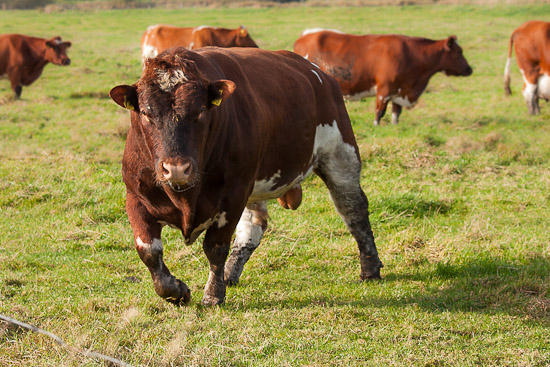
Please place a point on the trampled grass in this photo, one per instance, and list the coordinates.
(459, 197)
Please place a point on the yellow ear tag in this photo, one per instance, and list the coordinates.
(128, 105)
(218, 101)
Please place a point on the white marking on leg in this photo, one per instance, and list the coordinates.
(156, 246)
(318, 77)
(394, 118)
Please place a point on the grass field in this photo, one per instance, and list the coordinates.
(459, 194)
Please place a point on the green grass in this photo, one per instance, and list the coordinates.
(459, 197)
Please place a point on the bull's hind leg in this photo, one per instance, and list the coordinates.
(249, 232)
(149, 247)
(340, 169)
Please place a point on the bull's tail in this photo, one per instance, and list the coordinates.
(507, 89)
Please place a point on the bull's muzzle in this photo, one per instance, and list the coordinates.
(179, 174)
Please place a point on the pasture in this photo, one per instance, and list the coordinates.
(459, 196)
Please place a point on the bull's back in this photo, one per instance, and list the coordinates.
(283, 98)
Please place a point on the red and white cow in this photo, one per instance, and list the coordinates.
(531, 42)
(393, 68)
(158, 38)
(22, 58)
(214, 134)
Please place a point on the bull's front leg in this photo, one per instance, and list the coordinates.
(216, 248)
(147, 237)
(382, 99)
(15, 81)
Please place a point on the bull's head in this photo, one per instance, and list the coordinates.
(171, 106)
(56, 51)
(453, 61)
(243, 38)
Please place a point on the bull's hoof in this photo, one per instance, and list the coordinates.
(373, 269)
(176, 292)
(212, 301)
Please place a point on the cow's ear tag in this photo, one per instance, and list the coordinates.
(128, 105)
(219, 91)
(218, 101)
(125, 96)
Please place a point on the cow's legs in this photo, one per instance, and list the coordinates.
(149, 247)
(530, 91)
(381, 105)
(396, 112)
(16, 85)
(216, 247)
(250, 230)
(341, 173)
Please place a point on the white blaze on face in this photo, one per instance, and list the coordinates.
(168, 79)
(220, 219)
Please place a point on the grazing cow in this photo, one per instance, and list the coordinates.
(532, 46)
(391, 67)
(22, 58)
(214, 134)
(158, 38)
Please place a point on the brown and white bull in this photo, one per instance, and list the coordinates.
(214, 134)
(531, 42)
(22, 58)
(158, 38)
(393, 68)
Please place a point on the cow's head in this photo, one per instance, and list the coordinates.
(173, 105)
(453, 61)
(56, 51)
(243, 39)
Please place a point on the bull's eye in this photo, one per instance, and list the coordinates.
(144, 116)
(203, 108)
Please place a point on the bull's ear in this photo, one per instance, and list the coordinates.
(125, 96)
(68, 44)
(220, 91)
(449, 42)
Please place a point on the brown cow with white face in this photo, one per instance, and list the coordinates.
(158, 38)
(214, 134)
(22, 58)
(393, 68)
(532, 46)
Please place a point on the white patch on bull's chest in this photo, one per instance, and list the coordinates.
(220, 219)
(368, 93)
(318, 77)
(155, 246)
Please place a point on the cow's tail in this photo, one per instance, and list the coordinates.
(507, 89)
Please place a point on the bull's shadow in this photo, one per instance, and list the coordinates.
(483, 285)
